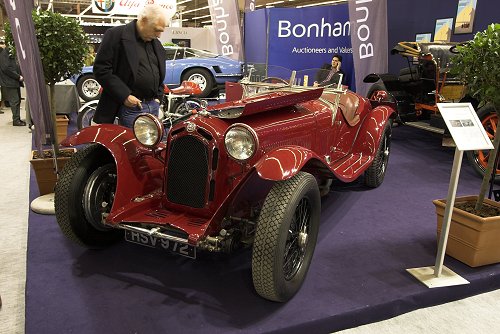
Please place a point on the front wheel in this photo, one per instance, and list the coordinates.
(285, 237)
(86, 114)
(84, 193)
(479, 159)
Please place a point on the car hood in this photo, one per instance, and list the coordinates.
(265, 102)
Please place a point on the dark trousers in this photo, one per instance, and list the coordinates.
(13, 96)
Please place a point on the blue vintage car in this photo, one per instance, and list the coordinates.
(207, 69)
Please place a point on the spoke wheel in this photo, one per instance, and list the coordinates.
(83, 193)
(285, 237)
(479, 159)
(88, 88)
(99, 194)
(375, 174)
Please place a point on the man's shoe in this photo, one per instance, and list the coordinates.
(1, 112)
(19, 123)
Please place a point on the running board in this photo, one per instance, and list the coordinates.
(425, 126)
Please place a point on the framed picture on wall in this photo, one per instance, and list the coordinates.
(443, 30)
(465, 16)
(183, 42)
(423, 38)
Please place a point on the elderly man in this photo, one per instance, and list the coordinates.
(130, 66)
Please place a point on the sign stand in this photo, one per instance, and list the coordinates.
(468, 134)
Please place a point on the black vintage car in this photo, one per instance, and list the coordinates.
(426, 81)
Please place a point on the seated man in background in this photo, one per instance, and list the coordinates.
(330, 73)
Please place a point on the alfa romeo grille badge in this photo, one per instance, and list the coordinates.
(190, 127)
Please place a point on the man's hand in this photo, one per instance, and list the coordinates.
(132, 101)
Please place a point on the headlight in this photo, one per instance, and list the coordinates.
(148, 130)
(240, 142)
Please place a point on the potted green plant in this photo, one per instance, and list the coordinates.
(63, 48)
(475, 223)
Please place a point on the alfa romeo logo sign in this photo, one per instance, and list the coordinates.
(130, 7)
(104, 6)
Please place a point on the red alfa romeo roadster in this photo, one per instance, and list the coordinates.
(245, 173)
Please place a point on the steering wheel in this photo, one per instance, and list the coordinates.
(274, 80)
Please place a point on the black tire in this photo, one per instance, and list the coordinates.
(191, 103)
(479, 159)
(86, 114)
(374, 175)
(84, 191)
(281, 255)
(88, 88)
(203, 78)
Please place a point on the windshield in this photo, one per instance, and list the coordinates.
(261, 78)
(195, 53)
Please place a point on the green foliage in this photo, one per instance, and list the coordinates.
(62, 42)
(478, 64)
(169, 44)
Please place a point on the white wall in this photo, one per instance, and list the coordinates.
(201, 38)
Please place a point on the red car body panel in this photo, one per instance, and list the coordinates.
(294, 130)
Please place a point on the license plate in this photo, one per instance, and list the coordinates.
(155, 242)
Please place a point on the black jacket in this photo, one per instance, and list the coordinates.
(115, 68)
(9, 70)
(323, 73)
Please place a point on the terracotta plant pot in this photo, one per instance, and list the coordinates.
(61, 127)
(45, 170)
(472, 240)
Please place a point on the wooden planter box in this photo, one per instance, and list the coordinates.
(61, 127)
(45, 171)
(472, 240)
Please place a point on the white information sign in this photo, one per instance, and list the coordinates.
(465, 127)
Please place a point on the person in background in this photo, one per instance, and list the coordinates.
(11, 81)
(130, 66)
(330, 73)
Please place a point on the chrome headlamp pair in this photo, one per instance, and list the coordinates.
(240, 140)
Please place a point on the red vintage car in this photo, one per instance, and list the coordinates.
(244, 173)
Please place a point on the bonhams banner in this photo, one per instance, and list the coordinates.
(368, 38)
(226, 22)
(130, 7)
(28, 54)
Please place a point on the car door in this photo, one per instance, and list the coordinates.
(171, 78)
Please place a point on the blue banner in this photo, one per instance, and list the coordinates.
(303, 38)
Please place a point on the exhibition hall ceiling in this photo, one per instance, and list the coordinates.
(194, 13)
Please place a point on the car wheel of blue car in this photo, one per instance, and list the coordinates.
(202, 77)
(285, 237)
(84, 192)
(88, 88)
(86, 114)
(374, 175)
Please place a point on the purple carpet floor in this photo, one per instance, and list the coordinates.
(368, 238)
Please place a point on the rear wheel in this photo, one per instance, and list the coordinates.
(84, 193)
(479, 159)
(374, 175)
(285, 237)
(88, 88)
(203, 78)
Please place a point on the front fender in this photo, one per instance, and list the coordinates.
(139, 172)
(372, 130)
(283, 163)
